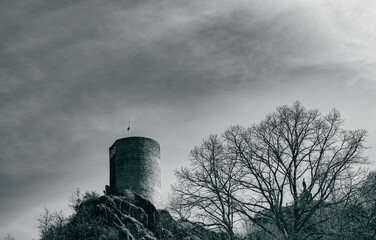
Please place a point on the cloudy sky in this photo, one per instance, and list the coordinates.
(73, 73)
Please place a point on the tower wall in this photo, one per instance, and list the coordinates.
(135, 165)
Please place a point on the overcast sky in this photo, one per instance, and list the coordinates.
(73, 73)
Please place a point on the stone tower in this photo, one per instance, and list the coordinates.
(135, 166)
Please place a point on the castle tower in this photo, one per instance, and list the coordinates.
(135, 165)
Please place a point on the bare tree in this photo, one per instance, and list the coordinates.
(46, 221)
(51, 223)
(354, 218)
(75, 199)
(292, 163)
(360, 212)
(368, 204)
(204, 193)
(8, 237)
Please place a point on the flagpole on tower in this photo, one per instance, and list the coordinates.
(129, 129)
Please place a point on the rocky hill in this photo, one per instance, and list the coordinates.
(127, 217)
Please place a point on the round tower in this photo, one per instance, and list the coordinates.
(135, 166)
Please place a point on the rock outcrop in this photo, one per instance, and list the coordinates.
(126, 217)
(133, 217)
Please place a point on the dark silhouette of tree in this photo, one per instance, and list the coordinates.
(283, 175)
(8, 237)
(359, 214)
(204, 192)
(293, 163)
(51, 223)
(367, 217)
